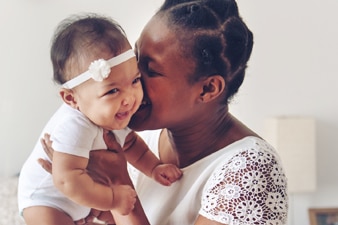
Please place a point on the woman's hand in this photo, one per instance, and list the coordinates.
(47, 147)
(106, 167)
(102, 216)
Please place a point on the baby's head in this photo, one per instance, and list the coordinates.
(93, 61)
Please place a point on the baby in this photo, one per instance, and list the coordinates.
(101, 89)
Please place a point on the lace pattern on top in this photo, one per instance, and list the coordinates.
(250, 188)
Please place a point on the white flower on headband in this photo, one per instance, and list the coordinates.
(99, 69)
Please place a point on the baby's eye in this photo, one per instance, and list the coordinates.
(112, 91)
(137, 80)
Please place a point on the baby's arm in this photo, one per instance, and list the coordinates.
(139, 155)
(71, 178)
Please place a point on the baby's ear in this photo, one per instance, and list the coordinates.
(67, 96)
(213, 86)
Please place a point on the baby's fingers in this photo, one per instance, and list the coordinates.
(174, 174)
(164, 180)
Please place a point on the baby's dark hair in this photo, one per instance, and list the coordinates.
(214, 35)
(77, 35)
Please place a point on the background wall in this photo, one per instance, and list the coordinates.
(291, 72)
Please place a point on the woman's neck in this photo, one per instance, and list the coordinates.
(186, 146)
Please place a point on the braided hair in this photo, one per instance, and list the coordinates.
(214, 35)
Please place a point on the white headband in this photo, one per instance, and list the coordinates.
(99, 69)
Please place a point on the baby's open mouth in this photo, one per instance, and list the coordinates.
(122, 115)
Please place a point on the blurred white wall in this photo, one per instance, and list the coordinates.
(291, 72)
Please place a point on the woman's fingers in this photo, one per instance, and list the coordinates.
(45, 164)
(47, 146)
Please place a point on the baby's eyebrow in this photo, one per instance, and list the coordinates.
(138, 73)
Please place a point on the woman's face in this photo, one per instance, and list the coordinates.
(168, 96)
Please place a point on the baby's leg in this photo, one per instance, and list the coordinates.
(43, 215)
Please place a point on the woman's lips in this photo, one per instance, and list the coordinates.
(143, 111)
(139, 119)
(144, 104)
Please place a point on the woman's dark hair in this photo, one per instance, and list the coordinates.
(77, 34)
(214, 35)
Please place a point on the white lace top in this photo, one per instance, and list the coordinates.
(249, 188)
(241, 184)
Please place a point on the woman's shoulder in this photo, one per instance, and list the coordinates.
(252, 146)
(252, 175)
(248, 154)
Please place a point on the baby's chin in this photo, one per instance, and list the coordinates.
(116, 126)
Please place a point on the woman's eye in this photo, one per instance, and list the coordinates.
(153, 74)
(145, 70)
(150, 73)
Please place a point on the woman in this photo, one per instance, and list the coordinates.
(192, 56)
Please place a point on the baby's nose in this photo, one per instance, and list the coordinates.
(128, 100)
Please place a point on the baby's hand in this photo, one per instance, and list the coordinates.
(124, 199)
(166, 174)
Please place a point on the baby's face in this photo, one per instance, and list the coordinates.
(111, 103)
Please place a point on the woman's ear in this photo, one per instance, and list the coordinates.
(212, 87)
(68, 97)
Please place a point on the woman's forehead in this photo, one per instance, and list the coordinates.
(156, 36)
